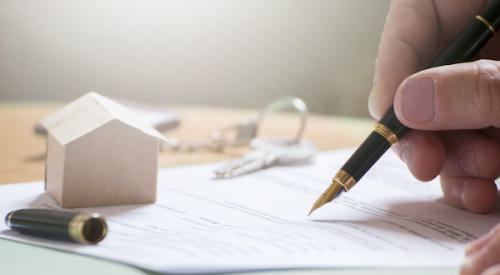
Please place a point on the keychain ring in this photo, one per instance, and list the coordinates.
(298, 106)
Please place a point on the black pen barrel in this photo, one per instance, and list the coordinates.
(366, 155)
(58, 224)
(473, 38)
(389, 129)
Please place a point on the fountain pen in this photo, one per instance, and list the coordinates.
(389, 130)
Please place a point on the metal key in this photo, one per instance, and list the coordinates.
(242, 132)
(238, 134)
(267, 152)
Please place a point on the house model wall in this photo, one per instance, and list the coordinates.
(99, 153)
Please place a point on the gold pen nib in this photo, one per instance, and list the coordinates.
(333, 191)
(340, 183)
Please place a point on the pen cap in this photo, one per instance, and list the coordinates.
(58, 224)
(492, 13)
(473, 38)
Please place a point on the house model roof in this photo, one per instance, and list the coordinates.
(88, 113)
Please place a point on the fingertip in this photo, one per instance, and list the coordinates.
(479, 196)
(424, 154)
(472, 194)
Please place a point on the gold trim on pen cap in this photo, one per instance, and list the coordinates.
(87, 228)
(484, 21)
(387, 133)
(8, 219)
(344, 179)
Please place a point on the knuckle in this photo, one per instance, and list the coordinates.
(486, 97)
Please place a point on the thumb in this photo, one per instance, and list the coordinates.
(460, 96)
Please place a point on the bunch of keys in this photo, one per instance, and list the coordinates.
(233, 136)
(267, 152)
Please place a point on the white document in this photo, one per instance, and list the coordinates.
(259, 221)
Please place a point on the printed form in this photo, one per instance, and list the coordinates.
(259, 221)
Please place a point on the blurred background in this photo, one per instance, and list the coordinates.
(219, 52)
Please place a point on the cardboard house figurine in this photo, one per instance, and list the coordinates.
(99, 153)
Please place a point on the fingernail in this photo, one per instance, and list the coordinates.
(418, 100)
(372, 108)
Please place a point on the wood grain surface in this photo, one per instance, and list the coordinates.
(22, 153)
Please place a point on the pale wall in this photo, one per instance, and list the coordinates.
(224, 52)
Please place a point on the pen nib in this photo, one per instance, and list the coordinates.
(330, 194)
(316, 205)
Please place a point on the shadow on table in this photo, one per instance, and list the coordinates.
(44, 200)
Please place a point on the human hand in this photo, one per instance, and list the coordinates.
(483, 255)
(455, 108)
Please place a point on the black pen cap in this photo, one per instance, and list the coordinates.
(492, 13)
(59, 224)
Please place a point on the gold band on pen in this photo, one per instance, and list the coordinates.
(75, 228)
(80, 228)
(484, 21)
(8, 219)
(344, 179)
(386, 133)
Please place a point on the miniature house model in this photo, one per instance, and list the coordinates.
(99, 153)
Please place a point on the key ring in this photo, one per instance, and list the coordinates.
(298, 105)
(243, 132)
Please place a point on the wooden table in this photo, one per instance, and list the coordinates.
(22, 156)
(22, 153)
